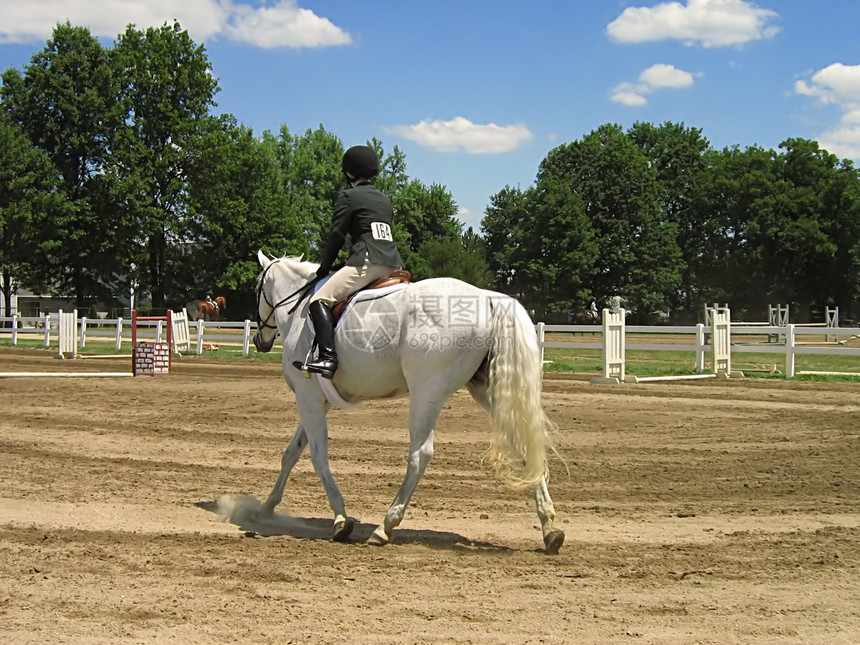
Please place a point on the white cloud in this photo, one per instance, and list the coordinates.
(844, 139)
(630, 94)
(460, 133)
(838, 84)
(662, 75)
(710, 23)
(282, 24)
(656, 77)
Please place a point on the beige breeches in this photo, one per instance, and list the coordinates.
(349, 279)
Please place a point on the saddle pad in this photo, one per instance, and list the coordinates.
(327, 386)
(372, 294)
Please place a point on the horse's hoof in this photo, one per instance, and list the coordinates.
(553, 541)
(342, 529)
(378, 537)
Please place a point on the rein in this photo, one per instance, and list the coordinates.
(302, 292)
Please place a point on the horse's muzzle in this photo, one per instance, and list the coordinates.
(261, 344)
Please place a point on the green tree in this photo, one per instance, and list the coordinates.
(503, 227)
(476, 268)
(637, 251)
(426, 213)
(676, 154)
(392, 175)
(562, 252)
(29, 196)
(795, 230)
(457, 257)
(167, 91)
(425, 222)
(311, 169)
(841, 281)
(66, 103)
(239, 205)
(721, 260)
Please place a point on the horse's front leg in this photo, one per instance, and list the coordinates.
(317, 433)
(288, 460)
(553, 538)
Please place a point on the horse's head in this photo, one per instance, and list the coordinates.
(277, 285)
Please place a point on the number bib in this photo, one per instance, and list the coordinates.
(381, 231)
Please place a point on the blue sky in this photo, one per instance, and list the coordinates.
(477, 93)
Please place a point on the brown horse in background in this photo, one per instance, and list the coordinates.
(203, 310)
(584, 318)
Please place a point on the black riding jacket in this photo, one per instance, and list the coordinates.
(365, 214)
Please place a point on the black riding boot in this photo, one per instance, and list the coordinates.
(321, 317)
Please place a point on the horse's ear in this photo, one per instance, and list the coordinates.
(264, 260)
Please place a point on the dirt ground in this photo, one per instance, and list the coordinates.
(698, 512)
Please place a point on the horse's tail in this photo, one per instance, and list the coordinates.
(520, 427)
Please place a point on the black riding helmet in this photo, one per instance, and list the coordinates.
(360, 162)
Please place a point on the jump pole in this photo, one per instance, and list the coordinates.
(67, 337)
(614, 350)
(60, 374)
(721, 341)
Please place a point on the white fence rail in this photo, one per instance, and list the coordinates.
(204, 335)
(201, 334)
(728, 342)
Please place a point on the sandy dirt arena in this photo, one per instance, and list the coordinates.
(699, 512)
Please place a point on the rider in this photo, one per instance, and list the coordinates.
(594, 307)
(211, 302)
(365, 213)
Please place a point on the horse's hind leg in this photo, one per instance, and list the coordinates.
(289, 459)
(553, 538)
(422, 425)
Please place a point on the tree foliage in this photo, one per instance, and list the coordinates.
(29, 194)
(115, 171)
(166, 93)
(163, 195)
(67, 103)
(665, 221)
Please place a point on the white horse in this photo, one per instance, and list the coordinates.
(427, 341)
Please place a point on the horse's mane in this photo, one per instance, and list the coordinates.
(303, 268)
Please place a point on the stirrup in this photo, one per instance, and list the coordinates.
(302, 366)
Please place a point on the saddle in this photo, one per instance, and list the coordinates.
(398, 277)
